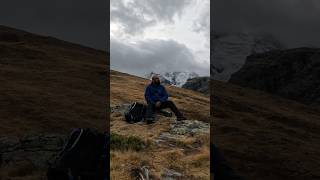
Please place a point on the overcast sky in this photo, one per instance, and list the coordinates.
(294, 22)
(80, 21)
(160, 36)
(170, 23)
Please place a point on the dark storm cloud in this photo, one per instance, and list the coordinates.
(295, 22)
(79, 21)
(136, 15)
(153, 56)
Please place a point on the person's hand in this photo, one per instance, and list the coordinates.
(158, 104)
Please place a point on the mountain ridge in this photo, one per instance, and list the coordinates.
(10, 34)
(231, 49)
(290, 73)
(174, 78)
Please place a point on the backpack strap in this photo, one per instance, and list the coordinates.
(133, 105)
(76, 141)
(65, 148)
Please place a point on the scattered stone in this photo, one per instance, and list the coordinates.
(169, 174)
(168, 137)
(189, 127)
(120, 108)
(180, 130)
(140, 173)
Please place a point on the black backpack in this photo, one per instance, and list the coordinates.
(83, 157)
(135, 112)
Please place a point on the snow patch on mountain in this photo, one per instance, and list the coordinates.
(230, 51)
(174, 78)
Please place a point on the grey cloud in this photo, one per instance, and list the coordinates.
(202, 21)
(79, 21)
(295, 22)
(132, 20)
(201, 24)
(137, 15)
(153, 56)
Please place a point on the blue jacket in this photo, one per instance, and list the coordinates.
(154, 93)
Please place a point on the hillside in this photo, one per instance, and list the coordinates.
(291, 73)
(48, 86)
(264, 136)
(170, 149)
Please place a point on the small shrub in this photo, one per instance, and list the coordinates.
(123, 143)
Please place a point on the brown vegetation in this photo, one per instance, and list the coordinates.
(192, 162)
(265, 136)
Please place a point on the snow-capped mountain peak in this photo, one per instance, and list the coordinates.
(174, 78)
(230, 51)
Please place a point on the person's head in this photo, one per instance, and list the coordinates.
(155, 79)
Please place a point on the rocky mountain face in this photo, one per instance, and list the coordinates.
(200, 84)
(293, 73)
(231, 49)
(174, 78)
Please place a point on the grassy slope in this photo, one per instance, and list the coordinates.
(265, 136)
(125, 89)
(48, 85)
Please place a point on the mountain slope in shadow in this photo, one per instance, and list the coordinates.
(264, 136)
(291, 73)
(49, 85)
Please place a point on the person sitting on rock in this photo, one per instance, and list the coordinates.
(157, 99)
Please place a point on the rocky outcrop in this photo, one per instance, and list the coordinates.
(143, 173)
(180, 130)
(200, 84)
(189, 127)
(169, 174)
(293, 74)
(38, 150)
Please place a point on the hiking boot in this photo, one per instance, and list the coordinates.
(150, 120)
(165, 113)
(181, 118)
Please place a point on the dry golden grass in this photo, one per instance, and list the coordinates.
(192, 162)
(127, 89)
(122, 163)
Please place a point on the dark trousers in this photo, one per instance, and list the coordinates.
(151, 108)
